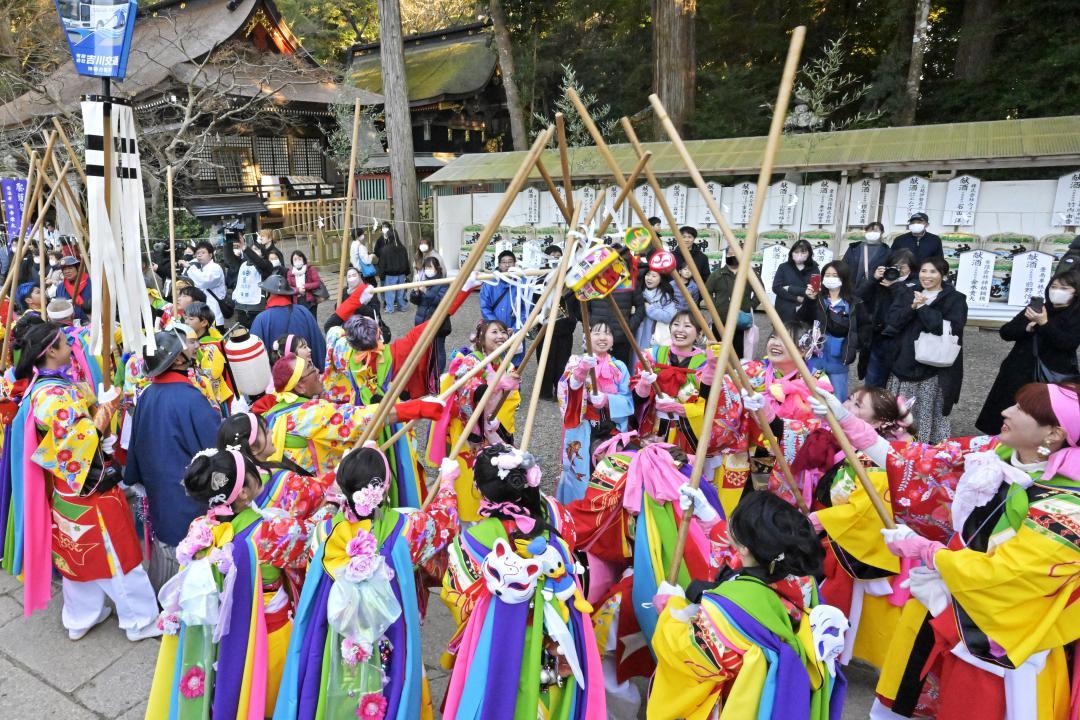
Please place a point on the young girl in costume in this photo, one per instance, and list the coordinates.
(288, 345)
(525, 646)
(66, 510)
(994, 609)
(489, 430)
(210, 357)
(227, 615)
(356, 649)
(758, 644)
(590, 410)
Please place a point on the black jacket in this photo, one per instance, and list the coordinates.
(393, 258)
(878, 298)
(701, 260)
(1057, 342)
(1071, 258)
(924, 247)
(847, 325)
(789, 276)
(862, 269)
(906, 324)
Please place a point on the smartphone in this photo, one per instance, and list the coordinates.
(1036, 304)
(815, 283)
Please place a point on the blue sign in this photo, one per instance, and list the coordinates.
(99, 34)
(14, 200)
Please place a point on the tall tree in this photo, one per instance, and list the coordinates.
(674, 58)
(509, 76)
(975, 44)
(398, 122)
(915, 68)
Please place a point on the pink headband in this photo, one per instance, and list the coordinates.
(386, 463)
(59, 334)
(1066, 406)
(287, 350)
(254, 428)
(222, 505)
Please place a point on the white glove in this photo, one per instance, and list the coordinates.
(367, 295)
(703, 511)
(472, 282)
(598, 399)
(492, 426)
(900, 532)
(108, 444)
(104, 397)
(649, 377)
(587, 361)
(929, 589)
(831, 401)
(753, 401)
(667, 588)
(449, 471)
(240, 405)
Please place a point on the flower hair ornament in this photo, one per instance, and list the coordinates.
(812, 342)
(904, 405)
(772, 563)
(221, 503)
(366, 499)
(516, 459)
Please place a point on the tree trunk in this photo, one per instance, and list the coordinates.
(978, 28)
(399, 139)
(674, 58)
(915, 68)
(509, 77)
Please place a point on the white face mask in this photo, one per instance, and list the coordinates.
(275, 262)
(237, 252)
(385, 231)
(424, 248)
(298, 264)
(800, 258)
(872, 236)
(916, 228)
(429, 272)
(1058, 296)
(352, 281)
(831, 283)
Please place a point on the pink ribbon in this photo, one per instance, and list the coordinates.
(525, 523)
(1065, 461)
(614, 445)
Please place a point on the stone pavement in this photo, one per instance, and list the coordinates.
(43, 674)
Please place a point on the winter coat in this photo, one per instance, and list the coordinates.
(311, 282)
(1057, 342)
(789, 284)
(905, 324)
(922, 248)
(847, 324)
(863, 267)
(659, 308)
(393, 258)
(719, 286)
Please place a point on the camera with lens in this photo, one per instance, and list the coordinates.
(892, 273)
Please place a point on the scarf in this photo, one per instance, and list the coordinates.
(76, 295)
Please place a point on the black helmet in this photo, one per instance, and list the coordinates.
(169, 345)
(277, 285)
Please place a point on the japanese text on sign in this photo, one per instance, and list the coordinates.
(1067, 201)
(961, 199)
(646, 199)
(864, 201)
(784, 199)
(911, 198)
(715, 190)
(975, 275)
(823, 202)
(742, 203)
(14, 200)
(1030, 275)
(676, 200)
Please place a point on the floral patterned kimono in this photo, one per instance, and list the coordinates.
(57, 518)
(444, 434)
(580, 416)
(525, 646)
(227, 617)
(210, 359)
(747, 651)
(356, 647)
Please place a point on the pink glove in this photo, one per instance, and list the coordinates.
(903, 542)
(645, 381)
(598, 399)
(861, 434)
(449, 472)
(367, 295)
(813, 518)
(671, 407)
(508, 383)
(707, 372)
(581, 370)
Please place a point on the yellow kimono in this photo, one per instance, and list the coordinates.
(211, 362)
(315, 434)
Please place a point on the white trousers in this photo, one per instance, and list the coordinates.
(136, 604)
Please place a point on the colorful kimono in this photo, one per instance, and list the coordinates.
(363, 378)
(747, 652)
(227, 618)
(504, 656)
(352, 633)
(210, 359)
(580, 417)
(86, 537)
(444, 434)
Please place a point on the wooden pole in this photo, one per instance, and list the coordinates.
(733, 361)
(106, 300)
(42, 249)
(564, 161)
(563, 210)
(774, 318)
(446, 281)
(401, 376)
(644, 361)
(626, 189)
(70, 150)
(169, 171)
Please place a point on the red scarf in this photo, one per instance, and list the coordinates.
(76, 297)
(279, 301)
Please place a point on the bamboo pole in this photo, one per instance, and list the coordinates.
(169, 171)
(401, 376)
(563, 210)
(447, 280)
(346, 228)
(42, 250)
(564, 160)
(732, 360)
(774, 318)
(629, 334)
(791, 65)
(75, 163)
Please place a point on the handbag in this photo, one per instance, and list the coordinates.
(746, 319)
(321, 293)
(937, 350)
(1044, 374)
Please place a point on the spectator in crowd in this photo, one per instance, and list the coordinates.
(264, 243)
(925, 310)
(361, 258)
(864, 257)
(80, 296)
(1071, 258)
(689, 236)
(878, 294)
(426, 300)
(283, 316)
(1044, 347)
(277, 262)
(921, 243)
(28, 268)
(393, 260)
(5, 258)
(838, 312)
(52, 235)
(208, 277)
(691, 286)
(719, 287)
(186, 295)
(792, 278)
(305, 280)
(659, 301)
(500, 300)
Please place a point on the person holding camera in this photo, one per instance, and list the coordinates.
(1045, 336)
(864, 257)
(878, 293)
